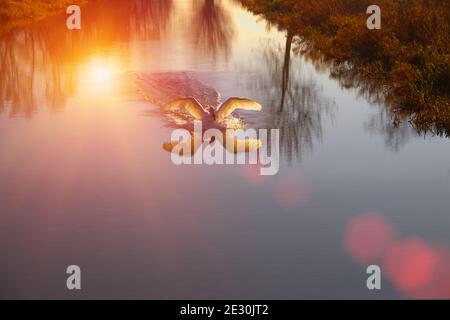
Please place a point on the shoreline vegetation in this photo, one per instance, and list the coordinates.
(406, 64)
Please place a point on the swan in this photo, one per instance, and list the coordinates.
(184, 100)
(215, 117)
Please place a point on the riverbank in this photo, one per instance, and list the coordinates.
(408, 60)
(14, 13)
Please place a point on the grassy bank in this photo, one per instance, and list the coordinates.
(15, 13)
(408, 59)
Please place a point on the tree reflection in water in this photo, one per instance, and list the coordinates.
(292, 101)
(213, 28)
(396, 133)
(39, 64)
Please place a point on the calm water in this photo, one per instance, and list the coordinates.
(84, 179)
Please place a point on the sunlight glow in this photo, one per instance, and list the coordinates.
(99, 75)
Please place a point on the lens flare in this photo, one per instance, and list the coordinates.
(99, 75)
(367, 237)
(252, 174)
(410, 263)
(292, 191)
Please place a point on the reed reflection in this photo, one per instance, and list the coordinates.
(213, 28)
(395, 131)
(45, 64)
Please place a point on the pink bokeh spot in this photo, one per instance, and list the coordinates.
(439, 286)
(410, 264)
(252, 174)
(292, 192)
(367, 237)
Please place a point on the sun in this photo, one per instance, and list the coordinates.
(99, 74)
(101, 70)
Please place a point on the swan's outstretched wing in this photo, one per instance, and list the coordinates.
(232, 104)
(190, 105)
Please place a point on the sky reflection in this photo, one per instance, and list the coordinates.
(88, 182)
